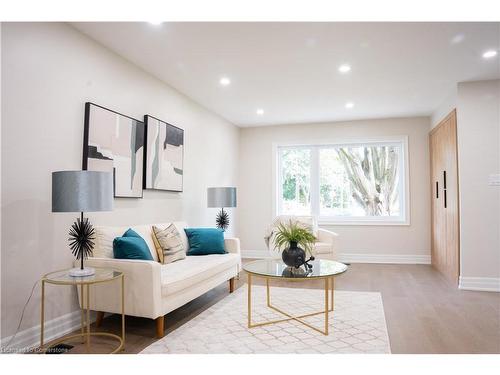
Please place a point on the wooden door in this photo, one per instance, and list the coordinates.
(444, 188)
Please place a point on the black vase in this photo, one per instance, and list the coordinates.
(294, 256)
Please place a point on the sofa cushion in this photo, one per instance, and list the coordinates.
(192, 270)
(131, 246)
(204, 241)
(106, 234)
(169, 245)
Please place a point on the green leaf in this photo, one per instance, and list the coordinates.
(293, 231)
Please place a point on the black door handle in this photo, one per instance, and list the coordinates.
(444, 189)
(437, 190)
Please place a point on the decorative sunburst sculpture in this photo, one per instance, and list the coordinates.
(81, 239)
(222, 220)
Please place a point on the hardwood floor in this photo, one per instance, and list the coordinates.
(424, 313)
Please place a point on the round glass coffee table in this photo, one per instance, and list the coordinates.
(269, 269)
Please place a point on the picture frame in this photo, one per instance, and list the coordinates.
(114, 142)
(163, 155)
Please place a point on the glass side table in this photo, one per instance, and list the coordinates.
(102, 275)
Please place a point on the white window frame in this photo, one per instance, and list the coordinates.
(404, 180)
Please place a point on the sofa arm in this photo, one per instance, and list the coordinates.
(142, 288)
(326, 235)
(232, 245)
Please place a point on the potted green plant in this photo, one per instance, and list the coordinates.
(287, 239)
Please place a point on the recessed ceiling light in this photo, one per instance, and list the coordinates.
(156, 23)
(489, 54)
(459, 38)
(349, 105)
(344, 68)
(260, 111)
(311, 42)
(224, 81)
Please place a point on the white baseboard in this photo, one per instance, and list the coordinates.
(384, 258)
(358, 258)
(259, 254)
(55, 328)
(485, 284)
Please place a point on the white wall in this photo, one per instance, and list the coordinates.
(48, 72)
(478, 129)
(402, 243)
(446, 106)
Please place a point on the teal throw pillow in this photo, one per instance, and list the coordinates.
(131, 246)
(131, 233)
(204, 241)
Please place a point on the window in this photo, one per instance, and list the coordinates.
(344, 183)
(296, 177)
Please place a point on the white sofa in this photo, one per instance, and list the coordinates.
(152, 289)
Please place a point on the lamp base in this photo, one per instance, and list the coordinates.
(222, 220)
(78, 272)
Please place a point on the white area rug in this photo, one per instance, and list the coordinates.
(357, 326)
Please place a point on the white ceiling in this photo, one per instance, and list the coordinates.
(290, 70)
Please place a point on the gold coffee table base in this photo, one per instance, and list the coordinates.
(329, 286)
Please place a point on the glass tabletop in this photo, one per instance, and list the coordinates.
(63, 277)
(321, 268)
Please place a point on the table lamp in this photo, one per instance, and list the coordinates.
(221, 197)
(82, 191)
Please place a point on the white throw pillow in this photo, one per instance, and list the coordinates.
(169, 244)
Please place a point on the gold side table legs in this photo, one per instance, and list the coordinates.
(329, 306)
(88, 319)
(42, 314)
(82, 324)
(123, 312)
(85, 333)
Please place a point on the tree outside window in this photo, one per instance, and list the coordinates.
(296, 186)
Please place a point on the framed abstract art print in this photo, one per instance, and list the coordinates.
(164, 160)
(114, 143)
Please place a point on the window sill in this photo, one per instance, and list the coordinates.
(332, 222)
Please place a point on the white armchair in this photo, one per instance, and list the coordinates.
(324, 248)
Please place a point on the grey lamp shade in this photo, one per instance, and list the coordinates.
(82, 191)
(221, 197)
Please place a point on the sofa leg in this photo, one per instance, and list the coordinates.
(160, 325)
(99, 318)
(231, 285)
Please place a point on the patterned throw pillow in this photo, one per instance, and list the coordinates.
(168, 244)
